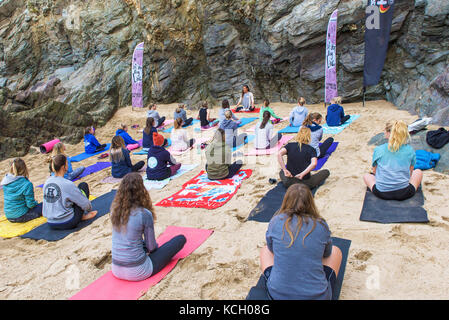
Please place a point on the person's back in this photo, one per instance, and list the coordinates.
(393, 168)
(157, 161)
(153, 114)
(147, 139)
(18, 195)
(90, 143)
(316, 135)
(230, 127)
(218, 157)
(299, 157)
(121, 165)
(334, 115)
(126, 137)
(298, 270)
(297, 116)
(129, 259)
(180, 113)
(263, 136)
(179, 139)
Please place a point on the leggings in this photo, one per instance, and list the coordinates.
(187, 122)
(344, 119)
(232, 170)
(239, 140)
(139, 165)
(32, 213)
(314, 180)
(163, 255)
(100, 148)
(325, 146)
(77, 212)
(160, 122)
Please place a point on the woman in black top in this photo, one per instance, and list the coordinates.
(301, 160)
(206, 121)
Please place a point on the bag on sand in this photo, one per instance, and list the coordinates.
(437, 138)
(419, 125)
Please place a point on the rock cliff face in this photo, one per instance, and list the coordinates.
(66, 64)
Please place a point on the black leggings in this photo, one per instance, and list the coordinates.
(160, 122)
(139, 165)
(239, 140)
(163, 255)
(325, 146)
(32, 213)
(100, 148)
(345, 118)
(187, 122)
(312, 182)
(77, 212)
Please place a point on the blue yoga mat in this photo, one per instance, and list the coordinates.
(259, 292)
(335, 130)
(322, 161)
(270, 204)
(289, 129)
(102, 204)
(247, 140)
(191, 124)
(245, 121)
(391, 211)
(83, 156)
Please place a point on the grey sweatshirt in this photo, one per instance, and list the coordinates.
(153, 114)
(297, 116)
(59, 197)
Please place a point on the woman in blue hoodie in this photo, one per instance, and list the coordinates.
(313, 122)
(160, 163)
(298, 114)
(230, 127)
(336, 114)
(120, 160)
(123, 132)
(91, 144)
(18, 193)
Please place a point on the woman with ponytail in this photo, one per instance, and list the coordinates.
(299, 261)
(393, 175)
(71, 174)
(18, 193)
(313, 121)
(265, 139)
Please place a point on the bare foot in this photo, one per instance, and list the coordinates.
(89, 215)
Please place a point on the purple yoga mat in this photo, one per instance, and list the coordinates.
(89, 170)
(322, 161)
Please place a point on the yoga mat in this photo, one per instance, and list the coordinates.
(156, 184)
(253, 128)
(89, 170)
(191, 124)
(113, 180)
(200, 192)
(270, 204)
(322, 161)
(108, 287)
(245, 121)
(259, 291)
(11, 230)
(247, 140)
(289, 129)
(208, 129)
(335, 130)
(102, 204)
(197, 141)
(262, 152)
(47, 147)
(144, 152)
(165, 124)
(256, 110)
(391, 211)
(83, 156)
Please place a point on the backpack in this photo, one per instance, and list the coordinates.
(437, 138)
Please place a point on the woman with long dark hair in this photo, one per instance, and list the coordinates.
(265, 139)
(246, 101)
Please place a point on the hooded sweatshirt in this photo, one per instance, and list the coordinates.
(297, 116)
(157, 161)
(334, 115)
(230, 127)
(153, 114)
(90, 143)
(316, 135)
(18, 194)
(126, 137)
(182, 114)
(221, 114)
(59, 197)
(219, 156)
(147, 140)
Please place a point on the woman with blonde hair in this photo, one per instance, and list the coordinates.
(301, 160)
(18, 194)
(393, 175)
(180, 112)
(71, 174)
(136, 255)
(299, 113)
(120, 159)
(299, 261)
(179, 139)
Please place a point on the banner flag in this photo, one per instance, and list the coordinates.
(137, 76)
(331, 59)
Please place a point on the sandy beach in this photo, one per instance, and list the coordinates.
(409, 260)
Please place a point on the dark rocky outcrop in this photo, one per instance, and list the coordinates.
(75, 57)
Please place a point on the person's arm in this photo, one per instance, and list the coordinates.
(234, 117)
(127, 157)
(252, 100)
(171, 160)
(29, 196)
(282, 153)
(149, 237)
(328, 246)
(240, 101)
(75, 195)
(311, 166)
(272, 113)
(94, 141)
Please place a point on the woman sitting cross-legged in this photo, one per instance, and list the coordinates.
(65, 205)
(136, 255)
(179, 139)
(394, 177)
(120, 159)
(299, 261)
(313, 121)
(301, 160)
(218, 156)
(265, 139)
(160, 163)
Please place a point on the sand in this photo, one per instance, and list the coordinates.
(392, 261)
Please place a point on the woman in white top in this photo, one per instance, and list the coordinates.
(264, 133)
(246, 101)
(179, 139)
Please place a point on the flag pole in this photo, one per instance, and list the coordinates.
(364, 90)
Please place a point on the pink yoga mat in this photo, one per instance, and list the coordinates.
(253, 128)
(262, 152)
(109, 287)
(197, 141)
(47, 147)
(166, 123)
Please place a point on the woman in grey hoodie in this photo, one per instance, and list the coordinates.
(298, 114)
(65, 204)
(230, 127)
(313, 122)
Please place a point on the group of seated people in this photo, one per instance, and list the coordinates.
(300, 263)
